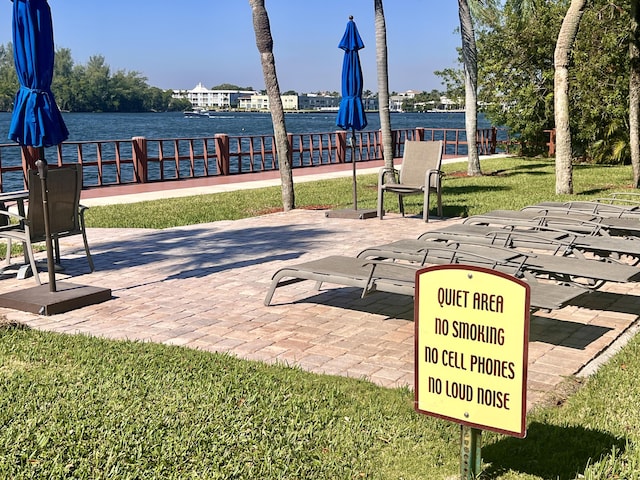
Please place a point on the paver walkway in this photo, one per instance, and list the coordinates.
(203, 287)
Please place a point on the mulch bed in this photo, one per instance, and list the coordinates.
(267, 211)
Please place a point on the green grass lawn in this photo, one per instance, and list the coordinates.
(81, 407)
(508, 183)
(73, 406)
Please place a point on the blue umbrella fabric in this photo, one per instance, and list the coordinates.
(351, 114)
(36, 119)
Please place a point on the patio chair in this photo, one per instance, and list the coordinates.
(419, 174)
(66, 215)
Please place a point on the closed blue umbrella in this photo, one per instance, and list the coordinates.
(36, 119)
(351, 115)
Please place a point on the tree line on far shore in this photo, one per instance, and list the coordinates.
(91, 87)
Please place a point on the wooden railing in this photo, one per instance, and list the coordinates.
(143, 160)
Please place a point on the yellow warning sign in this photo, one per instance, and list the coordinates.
(471, 347)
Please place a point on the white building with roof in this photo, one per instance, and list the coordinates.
(204, 98)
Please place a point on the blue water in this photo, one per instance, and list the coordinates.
(119, 126)
(124, 126)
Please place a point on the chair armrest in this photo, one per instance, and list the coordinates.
(81, 211)
(6, 215)
(432, 173)
(384, 170)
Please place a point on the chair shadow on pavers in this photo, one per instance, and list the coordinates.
(564, 333)
(391, 306)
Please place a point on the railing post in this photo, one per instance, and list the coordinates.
(396, 144)
(341, 146)
(494, 140)
(290, 142)
(378, 147)
(420, 134)
(140, 164)
(552, 141)
(222, 152)
(29, 157)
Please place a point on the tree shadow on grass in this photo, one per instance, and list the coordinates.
(527, 168)
(593, 191)
(413, 204)
(549, 451)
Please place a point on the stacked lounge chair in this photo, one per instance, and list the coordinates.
(387, 276)
(562, 256)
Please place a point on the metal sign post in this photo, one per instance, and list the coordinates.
(470, 452)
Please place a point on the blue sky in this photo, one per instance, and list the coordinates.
(176, 44)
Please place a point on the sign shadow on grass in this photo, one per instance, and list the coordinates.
(549, 451)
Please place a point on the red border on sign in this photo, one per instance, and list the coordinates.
(523, 430)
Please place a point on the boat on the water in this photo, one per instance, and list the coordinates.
(196, 113)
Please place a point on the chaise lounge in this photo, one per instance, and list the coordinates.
(385, 276)
(585, 272)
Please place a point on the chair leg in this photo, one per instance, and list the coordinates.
(439, 197)
(87, 252)
(425, 208)
(380, 202)
(7, 260)
(86, 243)
(28, 252)
(56, 249)
(401, 204)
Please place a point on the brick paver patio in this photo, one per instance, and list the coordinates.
(203, 287)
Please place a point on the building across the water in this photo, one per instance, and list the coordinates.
(204, 98)
(290, 102)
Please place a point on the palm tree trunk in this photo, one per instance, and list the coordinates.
(383, 86)
(470, 59)
(634, 92)
(264, 42)
(562, 57)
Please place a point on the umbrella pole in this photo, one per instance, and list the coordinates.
(353, 163)
(41, 163)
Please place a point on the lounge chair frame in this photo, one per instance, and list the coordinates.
(384, 276)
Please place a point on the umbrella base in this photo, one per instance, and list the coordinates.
(68, 296)
(351, 213)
